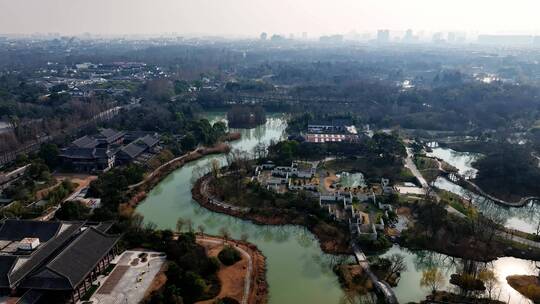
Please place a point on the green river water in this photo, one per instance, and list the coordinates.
(297, 270)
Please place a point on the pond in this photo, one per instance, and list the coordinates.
(525, 218)
(461, 160)
(351, 180)
(409, 288)
(297, 270)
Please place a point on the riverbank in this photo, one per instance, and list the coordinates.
(245, 281)
(328, 241)
(140, 190)
(494, 163)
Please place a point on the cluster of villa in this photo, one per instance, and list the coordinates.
(297, 176)
(109, 148)
(343, 203)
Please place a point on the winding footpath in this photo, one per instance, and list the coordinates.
(409, 163)
(249, 270)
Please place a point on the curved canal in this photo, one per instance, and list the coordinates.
(297, 270)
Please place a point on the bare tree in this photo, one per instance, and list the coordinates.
(225, 234)
(215, 168)
(397, 265)
(489, 279)
(136, 221)
(180, 222)
(201, 229)
(189, 225)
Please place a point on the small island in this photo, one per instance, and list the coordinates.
(246, 117)
(527, 285)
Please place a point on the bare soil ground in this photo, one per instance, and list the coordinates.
(158, 282)
(231, 277)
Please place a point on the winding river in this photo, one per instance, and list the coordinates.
(525, 218)
(297, 270)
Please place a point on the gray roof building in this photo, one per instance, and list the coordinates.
(62, 256)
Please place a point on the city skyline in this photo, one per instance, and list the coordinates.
(250, 18)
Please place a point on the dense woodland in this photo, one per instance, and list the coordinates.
(245, 116)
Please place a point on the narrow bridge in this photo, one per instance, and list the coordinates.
(381, 287)
(456, 178)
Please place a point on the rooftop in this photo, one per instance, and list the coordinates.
(67, 252)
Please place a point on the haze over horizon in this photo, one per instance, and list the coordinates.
(251, 17)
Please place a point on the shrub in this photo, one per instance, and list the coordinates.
(229, 255)
(227, 300)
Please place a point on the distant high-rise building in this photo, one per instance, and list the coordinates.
(452, 37)
(304, 35)
(277, 38)
(331, 39)
(408, 34)
(438, 37)
(264, 36)
(383, 35)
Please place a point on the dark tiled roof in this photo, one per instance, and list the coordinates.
(6, 262)
(82, 255)
(25, 265)
(133, 149)
(134, 135)
(46, 279)
(30, 297)
(86, 153)
(103, 153)
(80, 153)
(85, 142)
(104, 226)
(109, 135)
(16, 230)
(149, 140)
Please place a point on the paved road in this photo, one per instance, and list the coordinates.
(409, 163)
(518, 239)
(247, 281)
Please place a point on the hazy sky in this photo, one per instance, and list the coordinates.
(250, 17)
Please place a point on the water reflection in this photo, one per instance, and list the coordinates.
(461, 160)
(418, 261)
(297, 270)
(525, 218)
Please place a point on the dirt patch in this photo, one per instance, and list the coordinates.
(113, 279)
(233, 277)
(159, 280)
(527, 285)
(329, 181)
